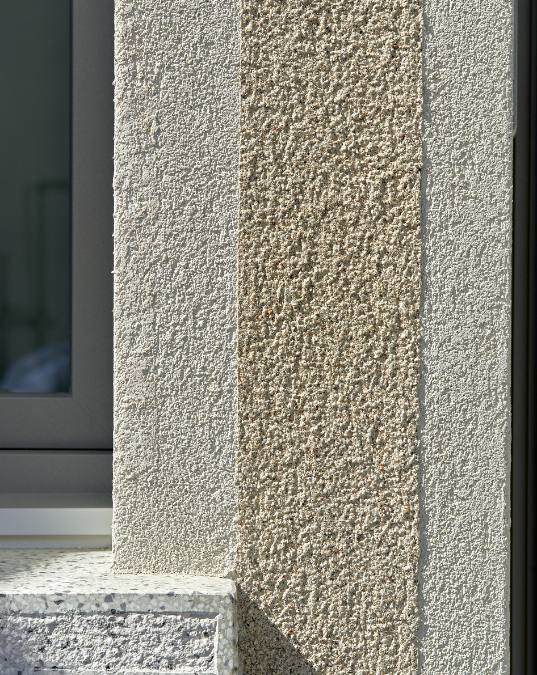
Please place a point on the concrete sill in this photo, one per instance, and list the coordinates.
(65, 612)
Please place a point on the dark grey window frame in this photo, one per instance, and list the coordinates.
(524, 346)
(71, 435)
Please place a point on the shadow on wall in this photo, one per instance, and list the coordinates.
(262, 647)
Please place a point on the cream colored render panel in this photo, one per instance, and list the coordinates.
(329, 290)
(176, 206)
(465, 421)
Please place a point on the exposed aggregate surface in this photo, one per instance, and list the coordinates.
(329, 288)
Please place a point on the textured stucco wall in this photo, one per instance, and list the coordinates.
(328, 350)
(329, 277)
(465, 424)
(176, 192)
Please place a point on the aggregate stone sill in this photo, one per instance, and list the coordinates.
(101, 672)
(56, 671)
(65, 612)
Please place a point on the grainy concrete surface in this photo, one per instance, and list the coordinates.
(176, 212)
(107, 642)
(329, 279)
(63, 611)
(465, 421)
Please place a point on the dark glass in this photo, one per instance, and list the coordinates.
(35, 196)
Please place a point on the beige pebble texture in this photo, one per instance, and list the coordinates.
(329, 288)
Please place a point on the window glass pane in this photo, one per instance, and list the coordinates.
(35, 196)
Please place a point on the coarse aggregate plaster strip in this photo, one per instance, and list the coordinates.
(329, 288)
(176, 213)
(466, 326)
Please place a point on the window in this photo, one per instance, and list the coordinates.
(56, 205)
(524, 344)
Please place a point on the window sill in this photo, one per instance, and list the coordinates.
(64, 611)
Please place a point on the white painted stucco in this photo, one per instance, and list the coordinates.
(176, 209)
(465, 403)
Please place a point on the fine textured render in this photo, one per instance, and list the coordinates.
(64, 612)
(176, 212)
(329, 289)
(465, 421)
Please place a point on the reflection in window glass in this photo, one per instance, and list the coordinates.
(35, 228)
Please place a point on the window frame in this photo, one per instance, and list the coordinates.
(55, 498)
(83, 418)
(52, 478)
(524, 336)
